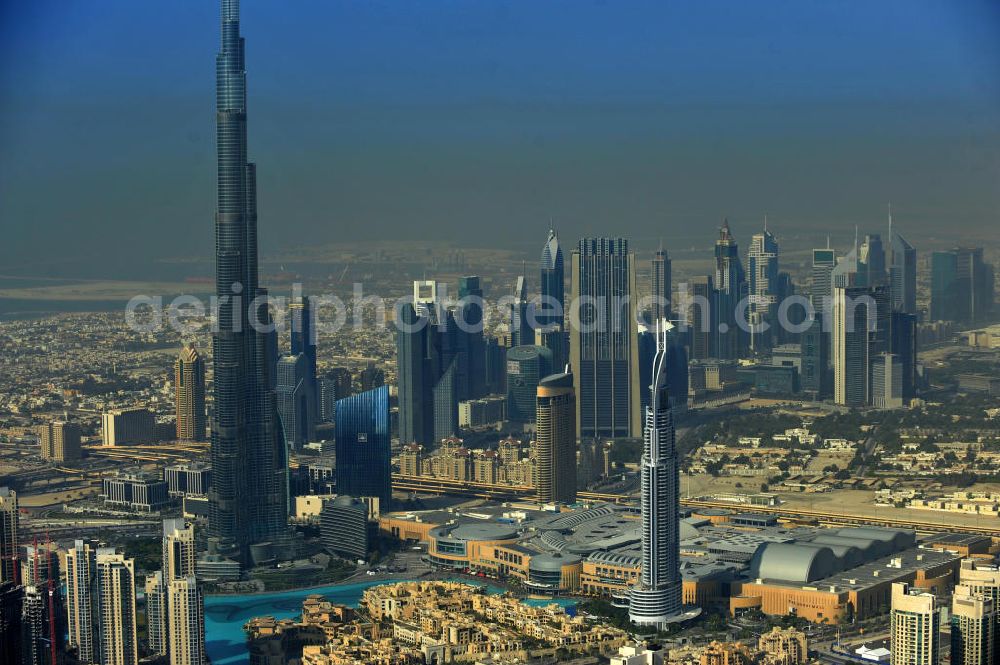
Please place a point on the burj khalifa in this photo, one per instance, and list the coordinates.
(657, 599)
(248, 503)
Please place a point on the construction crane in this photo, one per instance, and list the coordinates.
(52, 603)
(50, 590)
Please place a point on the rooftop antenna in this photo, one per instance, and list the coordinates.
(828, 242)
(890, 221)
(765, 222)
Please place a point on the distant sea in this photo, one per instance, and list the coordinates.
(14, 309)
(225, 615)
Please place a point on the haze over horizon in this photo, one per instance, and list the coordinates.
(454, 120)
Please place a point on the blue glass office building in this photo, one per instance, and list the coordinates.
(363, 446)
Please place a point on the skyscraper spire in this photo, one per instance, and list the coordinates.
(247, 500)
(657, 599)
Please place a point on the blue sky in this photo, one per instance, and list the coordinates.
(481, 119)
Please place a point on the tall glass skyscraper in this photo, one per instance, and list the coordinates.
(730, 340)
(303, 340)
(521, 331)
(961, 286)
(902, 274)
(872, 260)
(859, 334)
(847, 272)
(248, 494)
(413, 370)
(824, 260)
(295, 401)
(363, 446)
(762, 259)
(604, 352)
(552, 280)
(433, 371)
(850, 347)
(903, 343)
(658, 596)
(661, 285)
(471, 342)
(814, 345)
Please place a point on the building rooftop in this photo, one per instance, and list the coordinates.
(843, 558)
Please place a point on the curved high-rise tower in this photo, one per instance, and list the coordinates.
(555, 439)
(657, 599)
(248, 506)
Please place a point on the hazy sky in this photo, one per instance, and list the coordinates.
(478, 120)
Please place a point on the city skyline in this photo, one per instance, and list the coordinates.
(724, 444)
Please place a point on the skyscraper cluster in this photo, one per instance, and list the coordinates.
(101, 618)
(32, 627)
(100, 604)
(92, 609)
(709, 304)
(851, 337)
(873, 320)
(439, 362)
(915, 621)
